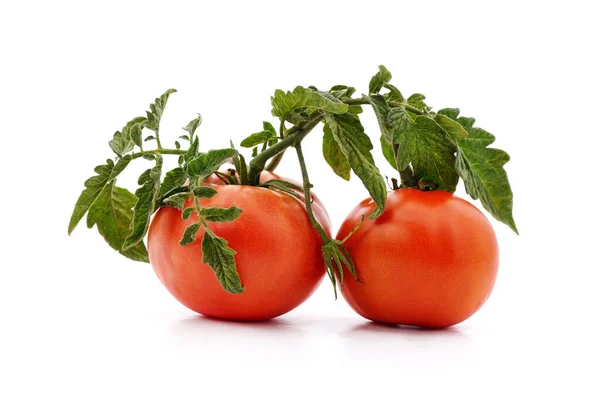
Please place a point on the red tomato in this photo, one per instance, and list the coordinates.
(430, 260)
(278, 254)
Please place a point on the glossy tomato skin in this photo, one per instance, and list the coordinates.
(430, 260)
(278, 255)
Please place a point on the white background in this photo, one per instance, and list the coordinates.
(80, 320)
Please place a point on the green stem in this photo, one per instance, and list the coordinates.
(277, 158)
(307, 199)
(295, 134)
(274, 162)
(157, 151)
(363, 101)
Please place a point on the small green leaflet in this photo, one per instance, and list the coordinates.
(334, 156)
(453, 128)
(258, 138)
(215, 214)
(122, 141)
(189, 235)
(156, 110)
(430, 151)
(481, 169)
(112, 215)
(394, 94)
(382, 110)
(192, 150)
(173, 179)
(192, 126)
(94, 186)
(220, 258)
(176, 200)
(204, 192)
(205, 164)
(147, 196)
(285, 102)
(356, 147)
(382, 77)
(418, 101)
(269, 127)
(186, 213)
(388, 152)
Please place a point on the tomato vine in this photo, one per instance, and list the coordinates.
(431, 150)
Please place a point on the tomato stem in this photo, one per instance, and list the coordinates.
(294, 136)
(307, 199)
(363, 101)
(157, 151)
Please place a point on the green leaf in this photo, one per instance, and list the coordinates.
(269, 127)
(285, 102)
(215, 214)
(334, 156)
(147, 195)
(192, 150)
(193, 125)
(427, 147)
(394, 94)
(149, 157)
(186, 213)
(257, 138)
(388, 152)
(453, 128)
(112, 214)
(173, 179)
(204, 192)
(184, 137)
(135, 131)
(398, 120)
(356, 147)
(150, 138)
(450, 112)
(220, 258)
(94, 187)
(176, 200)
(382, 77)
(381, 109)
(177, 145)
(189, 234)
(156, 110)
(481, 169)
(206, 163)
(417, 100)
(122, 141)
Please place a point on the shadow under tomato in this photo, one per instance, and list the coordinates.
(203, 324)
(395, 329)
